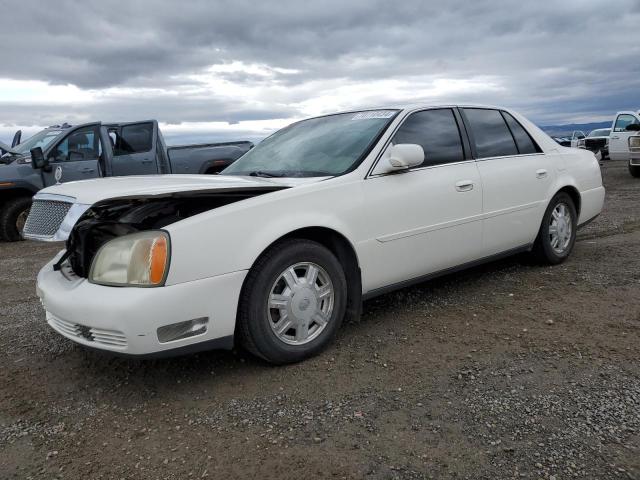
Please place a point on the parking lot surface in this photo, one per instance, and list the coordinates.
(509, 370)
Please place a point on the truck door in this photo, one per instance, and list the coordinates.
(75, 156)
(577, 139)
(619, 138)
(134, 150)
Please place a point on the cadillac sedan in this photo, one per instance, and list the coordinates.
(274, 253)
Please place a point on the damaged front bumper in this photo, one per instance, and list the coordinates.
(129, 320)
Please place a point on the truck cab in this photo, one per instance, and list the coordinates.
(621, 129)
(65, 153)
(624, 142)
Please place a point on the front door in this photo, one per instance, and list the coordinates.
(75, 157)
(133, 149)
(619, 138)
(426, 219)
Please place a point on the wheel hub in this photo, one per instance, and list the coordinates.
(300, 303)
(560, 228)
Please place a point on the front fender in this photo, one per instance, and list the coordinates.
(231, 239)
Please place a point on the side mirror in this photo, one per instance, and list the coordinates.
(633, 127)
(37, 159)
(405, 155)
(400, 157)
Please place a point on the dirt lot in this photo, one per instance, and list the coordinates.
(505, 371)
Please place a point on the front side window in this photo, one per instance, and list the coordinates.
(490, 132)
(322, 146)
(83, 144)
(623, 121)
(437, 132)
(524, 142)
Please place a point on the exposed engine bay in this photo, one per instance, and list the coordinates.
(113, 218)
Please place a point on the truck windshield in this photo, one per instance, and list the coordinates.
(41, 139)
(600, 133)
(322, 146)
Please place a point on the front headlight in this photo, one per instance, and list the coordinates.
(136, 260)
(634, 142)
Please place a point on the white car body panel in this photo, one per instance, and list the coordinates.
(401, 226)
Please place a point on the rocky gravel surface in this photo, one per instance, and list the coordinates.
(508, 371)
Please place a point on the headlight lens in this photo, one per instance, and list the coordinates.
(634, 142)
(136, 260)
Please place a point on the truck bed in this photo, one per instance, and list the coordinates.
(207, 158)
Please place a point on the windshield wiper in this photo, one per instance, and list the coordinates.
(262, 173)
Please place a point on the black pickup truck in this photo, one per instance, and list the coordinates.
(96, 150)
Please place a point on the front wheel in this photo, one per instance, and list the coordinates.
(292, 303)
(557, 234)
(634, 170)
(13, 215)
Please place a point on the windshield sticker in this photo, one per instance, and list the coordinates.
(373, 114)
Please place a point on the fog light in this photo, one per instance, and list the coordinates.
(178, 331)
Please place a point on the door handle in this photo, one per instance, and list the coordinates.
(464, 185)
(146, 162)
(615, 138)
(542, 173)
(88, 170)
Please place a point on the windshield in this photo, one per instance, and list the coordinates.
(323, 146)
(603, 132)
(41, 139)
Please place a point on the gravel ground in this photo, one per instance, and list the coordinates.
(504, 371)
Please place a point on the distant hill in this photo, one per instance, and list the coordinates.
(568, 129)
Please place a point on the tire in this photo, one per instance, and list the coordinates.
(634, 170)
(544, 250)
(12, 216)
(258, 320)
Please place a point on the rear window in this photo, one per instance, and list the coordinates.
(524, 141)
(438, 133)
(131, 139)
(490, 132)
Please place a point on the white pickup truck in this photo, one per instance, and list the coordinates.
(624, 142)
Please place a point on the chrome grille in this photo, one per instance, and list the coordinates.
(45, 217)
(109, 338)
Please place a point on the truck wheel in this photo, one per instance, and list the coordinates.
(634, 170)
(292, 303)
(13, 216)
(557, 233)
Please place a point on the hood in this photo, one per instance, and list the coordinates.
(89, 192)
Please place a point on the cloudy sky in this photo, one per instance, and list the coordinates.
(220, 70)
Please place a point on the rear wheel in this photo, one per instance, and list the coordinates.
(13, 215)
(293, 302)
(557, 234)
(634, 170)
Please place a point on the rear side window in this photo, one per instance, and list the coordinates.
(490, 132)
(524, 141)
(131, 139)
(437, 132)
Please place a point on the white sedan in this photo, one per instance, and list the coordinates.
(276, 251)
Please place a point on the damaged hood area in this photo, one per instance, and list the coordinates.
(141, 202)
(88, 192)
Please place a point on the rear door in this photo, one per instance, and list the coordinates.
(619, 138)
(133, 148)
(75, 156)
(426, 219)
(516, 177)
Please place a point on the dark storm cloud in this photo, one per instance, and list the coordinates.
(553, 59)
